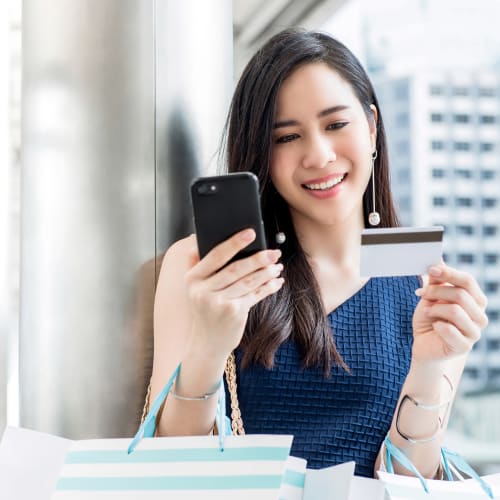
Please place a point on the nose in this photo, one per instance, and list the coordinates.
(319, 152)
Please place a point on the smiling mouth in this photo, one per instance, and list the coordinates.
(324, 186)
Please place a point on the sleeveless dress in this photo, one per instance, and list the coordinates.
(344, 417)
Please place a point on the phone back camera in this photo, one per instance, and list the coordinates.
(207, 189)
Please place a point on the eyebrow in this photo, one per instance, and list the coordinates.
(321, 114)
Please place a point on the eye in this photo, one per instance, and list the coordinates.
(336, 125)
(286, 138)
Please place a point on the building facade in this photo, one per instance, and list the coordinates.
(443, 128)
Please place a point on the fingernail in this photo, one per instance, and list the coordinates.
(274, 255)
(247, 235)
(419, 292)
(435, 271)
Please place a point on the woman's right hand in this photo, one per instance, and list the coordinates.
(221, 294)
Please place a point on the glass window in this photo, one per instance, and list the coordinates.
(460, 91)
(438, 173)
(439, 201)
(463, 202)
(437, 117)
(465, 230)
(486, 146)
(437, 145)
(491, 258)
(493, 315)
(487, 119)
(401, 91)
(486, 92)
(493, 344)
(462, 146)
(465, 258)
(489, 202)
(489, 230)
(461, 118)
(436, 90)
(491, 287)
(488, 174)
(462, 173)
(471, 371)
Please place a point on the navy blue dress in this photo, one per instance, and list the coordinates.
(344, 417)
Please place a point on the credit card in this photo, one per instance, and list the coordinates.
(400, 251)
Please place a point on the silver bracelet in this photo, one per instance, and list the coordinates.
(195, 398)
(440, 407)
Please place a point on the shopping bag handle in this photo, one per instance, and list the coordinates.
(148, 427)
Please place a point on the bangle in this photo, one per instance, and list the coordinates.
(442, 409)
(195, 398)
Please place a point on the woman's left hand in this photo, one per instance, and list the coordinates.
(450, 315)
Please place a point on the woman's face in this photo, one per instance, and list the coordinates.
(322, 147)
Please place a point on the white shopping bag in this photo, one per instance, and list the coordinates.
(249, 467)
(409, 488)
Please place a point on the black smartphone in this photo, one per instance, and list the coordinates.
(222, 206)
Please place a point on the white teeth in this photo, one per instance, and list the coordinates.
(325, 185)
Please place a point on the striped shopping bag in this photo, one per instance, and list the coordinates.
(195, 467)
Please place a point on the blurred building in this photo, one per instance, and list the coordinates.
(443, 129)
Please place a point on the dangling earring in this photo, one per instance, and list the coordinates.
(280, 236)
(374, 216)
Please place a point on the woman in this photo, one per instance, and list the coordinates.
(335, 359)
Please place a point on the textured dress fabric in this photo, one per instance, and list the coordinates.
(344, 417)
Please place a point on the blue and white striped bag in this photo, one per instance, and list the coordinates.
(201, 467)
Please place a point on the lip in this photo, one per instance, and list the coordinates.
(327, 178)
(329, 193)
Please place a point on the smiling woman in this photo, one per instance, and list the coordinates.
(319, 352)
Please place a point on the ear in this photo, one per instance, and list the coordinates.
(372, 123)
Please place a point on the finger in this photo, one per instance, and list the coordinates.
(242, 268)
(221, 254)
(252, 282)
(272, 286)
(446, 274)
(455, 295)
(452, 337)
(456, 316)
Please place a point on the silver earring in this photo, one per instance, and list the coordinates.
(280, 236)
(374, 216)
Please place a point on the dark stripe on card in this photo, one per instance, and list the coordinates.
(390, 238)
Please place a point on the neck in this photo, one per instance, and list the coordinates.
(339, 242)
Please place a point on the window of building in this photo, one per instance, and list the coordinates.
(439, 201)
(463, 202)
(488, 174)
(460, 91)
(487, 92)
(402, 147)
(463, 173)
(437, 117)
(461, 118)
(491, 287)
(493, 315)
(493, 344)
(471, 371)
(462, 146)
(438, 173)
(486, 146)
(437, 145)
(488, 202)
(489, 230)
(487, 119)
(465, 258)
(465, 230)
(436, 90)
(490, 258)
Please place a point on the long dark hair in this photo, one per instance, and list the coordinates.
(295, 312)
